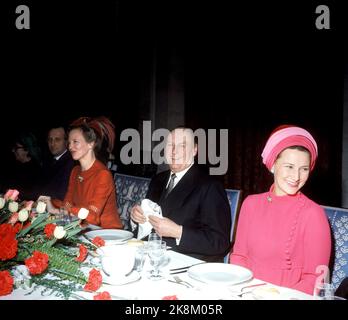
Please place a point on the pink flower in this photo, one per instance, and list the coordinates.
(11, 194)
(28, 205)
(14, 218)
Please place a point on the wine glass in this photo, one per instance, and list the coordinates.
(323, 291)
(156, 251)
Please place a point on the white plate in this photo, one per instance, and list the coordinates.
(119, 281)
(220, 273)
(111, 236)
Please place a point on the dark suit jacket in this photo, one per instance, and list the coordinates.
(56, 176)
(26, 178)
(198, 203)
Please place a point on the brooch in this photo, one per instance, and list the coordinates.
(80, 178)
(269, 199)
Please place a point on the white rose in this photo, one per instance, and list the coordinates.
(23, 215)
(41, 207)
(83, 213)
(13, 206)
(2, 203)
(59, 232)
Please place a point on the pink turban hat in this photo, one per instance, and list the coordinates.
(288, 137)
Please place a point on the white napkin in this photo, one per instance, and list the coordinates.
(148, 207)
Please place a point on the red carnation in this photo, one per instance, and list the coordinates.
(49, 230)
(174, 297)
(102, 296)
(83, 253)
(6, 283)
(37, 263)
(8, 242)
(94, 280)
(17, 227)
(99, 242)
(7, 229)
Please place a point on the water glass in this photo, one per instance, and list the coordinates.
(154, 237)
(156, 251)
(324, 291)
(140, 257)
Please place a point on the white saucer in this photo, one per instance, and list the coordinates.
(119, 281)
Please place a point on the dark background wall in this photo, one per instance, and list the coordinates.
(246, 66)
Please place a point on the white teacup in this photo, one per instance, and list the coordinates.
(117, 261)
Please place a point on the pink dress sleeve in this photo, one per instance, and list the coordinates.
(317, 248)
(239, 255)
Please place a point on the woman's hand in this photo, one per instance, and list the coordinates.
(49, 206)
(137, 214)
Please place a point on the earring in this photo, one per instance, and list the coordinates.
(272, 169)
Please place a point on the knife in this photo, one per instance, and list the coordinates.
(253, 285)
(187, 267)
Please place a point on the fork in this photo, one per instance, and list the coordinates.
(178, 280)
(241, 293)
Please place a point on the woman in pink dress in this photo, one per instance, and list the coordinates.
(283, 236)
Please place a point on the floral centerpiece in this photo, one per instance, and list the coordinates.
(36, 252)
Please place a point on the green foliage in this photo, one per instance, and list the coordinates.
(54, 286)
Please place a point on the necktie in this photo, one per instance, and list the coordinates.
(170, 185)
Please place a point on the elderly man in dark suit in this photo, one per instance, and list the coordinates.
(58, 167)
(196, 213)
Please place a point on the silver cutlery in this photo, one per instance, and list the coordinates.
(185, 268)
(241, 293)
(180, 281)
(253, 285)
(180, 271)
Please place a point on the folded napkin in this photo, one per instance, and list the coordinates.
(148, 207)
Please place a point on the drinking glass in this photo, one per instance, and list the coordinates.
(154, 237)
(63, 217)
(140, 256)
(324, 291)
(156, 251)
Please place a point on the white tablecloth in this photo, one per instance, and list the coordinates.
(145, 289)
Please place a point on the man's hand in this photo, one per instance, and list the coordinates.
(137, 214)
(165, 227)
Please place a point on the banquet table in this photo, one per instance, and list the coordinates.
(142, 288)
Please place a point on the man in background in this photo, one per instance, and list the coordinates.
(58, 166)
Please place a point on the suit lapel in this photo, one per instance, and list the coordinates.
(181, 191)
(163, 185)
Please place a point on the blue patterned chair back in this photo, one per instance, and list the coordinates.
(338, 219)
(130, 190)
(234, 199)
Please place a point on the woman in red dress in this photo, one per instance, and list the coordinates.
(91, 185)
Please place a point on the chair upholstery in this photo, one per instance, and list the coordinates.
(234, 199)
(130, 190)
(338, 219)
